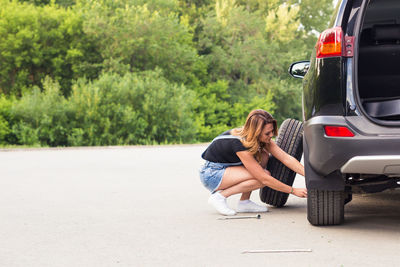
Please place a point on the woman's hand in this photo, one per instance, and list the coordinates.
(300, 192)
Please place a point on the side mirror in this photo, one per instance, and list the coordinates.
(299, 69)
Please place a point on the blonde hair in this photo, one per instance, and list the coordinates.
(252, 129)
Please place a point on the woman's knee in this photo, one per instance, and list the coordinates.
(253, 184)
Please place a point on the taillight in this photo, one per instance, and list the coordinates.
(338, 131)
(330, 43)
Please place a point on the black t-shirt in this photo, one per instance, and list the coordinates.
(223, 150)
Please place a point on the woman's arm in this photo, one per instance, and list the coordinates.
(260, 174)
(285, 158)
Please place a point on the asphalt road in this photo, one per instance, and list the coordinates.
(145, 206)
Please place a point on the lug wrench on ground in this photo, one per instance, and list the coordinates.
(258, 216)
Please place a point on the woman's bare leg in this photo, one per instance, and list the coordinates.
(238, 180)
(245, 195)
(244, 187)
(263, 163)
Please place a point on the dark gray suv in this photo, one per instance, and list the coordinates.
(351, 107)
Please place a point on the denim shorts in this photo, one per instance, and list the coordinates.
(211, 174)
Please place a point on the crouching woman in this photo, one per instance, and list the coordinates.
(235, 163)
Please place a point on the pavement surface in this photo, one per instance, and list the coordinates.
(145, 206)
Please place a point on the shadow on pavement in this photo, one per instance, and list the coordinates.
(372, 211)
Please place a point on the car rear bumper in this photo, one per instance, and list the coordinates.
(386, 165)
(373, 150)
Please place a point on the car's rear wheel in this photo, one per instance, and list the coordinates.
(325, 207)
(290, 139)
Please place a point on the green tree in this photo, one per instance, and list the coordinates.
(314, 15)
(252, 50)
(134, 38)
(63, 3)
(36, 41)
(235, 50)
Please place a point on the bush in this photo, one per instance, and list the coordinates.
(113, 110)
(41, 118)
(5, 130)
(131, 109)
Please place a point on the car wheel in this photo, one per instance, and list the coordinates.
(325, 207)
(290, 139)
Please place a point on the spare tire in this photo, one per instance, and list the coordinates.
(290, 140)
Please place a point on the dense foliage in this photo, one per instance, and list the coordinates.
(114, 72)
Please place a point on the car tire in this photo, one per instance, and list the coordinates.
(290, 139)
(325, 207)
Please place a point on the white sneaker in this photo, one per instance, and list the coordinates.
(219, 203)
(250, 206)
